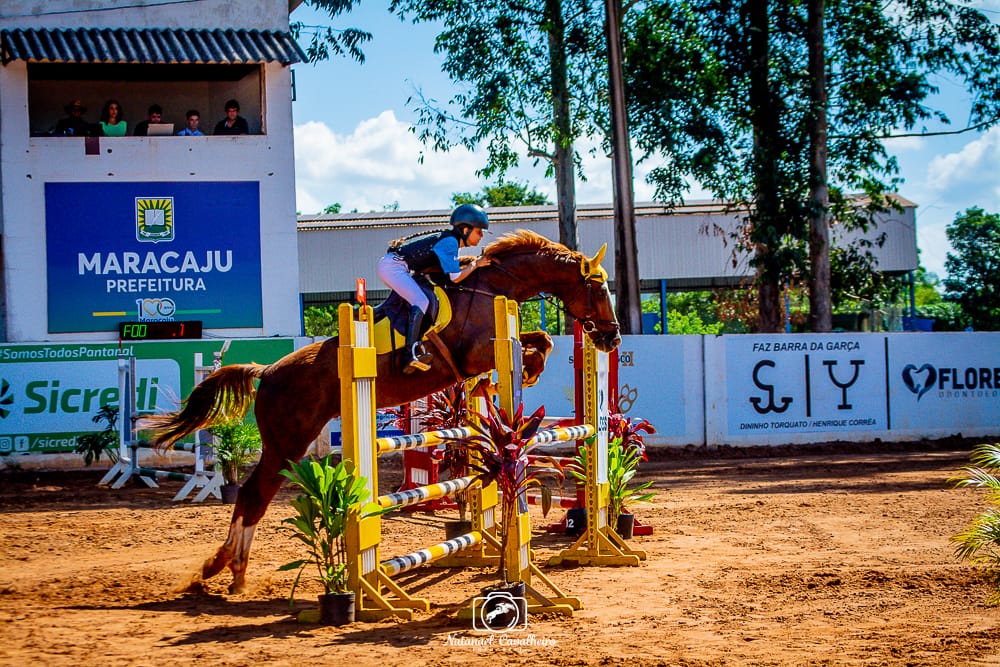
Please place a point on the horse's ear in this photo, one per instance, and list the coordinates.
(599, 256)
(591, 267)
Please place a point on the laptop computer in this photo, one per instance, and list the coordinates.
(160, 130)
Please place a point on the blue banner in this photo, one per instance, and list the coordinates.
(152, 251)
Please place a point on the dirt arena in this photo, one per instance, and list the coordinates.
(823, 556)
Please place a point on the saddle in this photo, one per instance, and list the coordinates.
(391, 316)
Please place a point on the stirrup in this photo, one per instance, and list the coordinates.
(420, 359)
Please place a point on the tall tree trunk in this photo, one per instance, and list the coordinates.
(628, 306)
(764, 117)
(563, 165)
(565, 170)
(820, 313)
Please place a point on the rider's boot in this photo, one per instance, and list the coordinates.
(417, 358)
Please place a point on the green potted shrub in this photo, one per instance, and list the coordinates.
(237, 445)
(622, 464)
(328, 494)
(979, 543)
(92, 445)
(626, 448)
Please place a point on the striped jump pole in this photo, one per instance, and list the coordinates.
(398, 443)
(424, 493)
(414, 560)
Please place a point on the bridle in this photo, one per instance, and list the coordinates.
(596, 279)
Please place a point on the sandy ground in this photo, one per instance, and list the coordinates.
(834, 556)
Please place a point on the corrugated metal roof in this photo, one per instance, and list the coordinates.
(150, 46)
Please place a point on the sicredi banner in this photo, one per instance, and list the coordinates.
(49, 394)
(152, 251)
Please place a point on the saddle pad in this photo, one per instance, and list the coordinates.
(387, 340)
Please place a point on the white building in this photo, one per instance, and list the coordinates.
(99, 230)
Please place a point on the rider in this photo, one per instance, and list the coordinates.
(427, 253)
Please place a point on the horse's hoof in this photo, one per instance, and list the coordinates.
(237, 588)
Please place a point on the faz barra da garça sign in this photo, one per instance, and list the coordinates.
(152, 252)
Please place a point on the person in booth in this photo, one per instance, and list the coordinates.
(153, 115)
(233, 123)
(430, 252)
(192, 117)
(73, 125)
(113, 120)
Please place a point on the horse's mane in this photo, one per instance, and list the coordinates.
(526, 241)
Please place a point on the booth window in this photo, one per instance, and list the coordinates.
(176, 88)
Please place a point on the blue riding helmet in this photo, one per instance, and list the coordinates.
(471, 215)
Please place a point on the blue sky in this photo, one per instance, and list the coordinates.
(353, 143)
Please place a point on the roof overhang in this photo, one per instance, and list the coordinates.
(150, 46)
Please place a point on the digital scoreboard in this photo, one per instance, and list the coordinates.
(159, 330)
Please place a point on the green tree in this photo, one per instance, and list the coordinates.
(326, 41)
(723, 92)
(332, 209)
(533, 79)
(974, 268)
(504, 193)
(321, 321)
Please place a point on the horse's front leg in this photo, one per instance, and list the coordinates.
(252, 501)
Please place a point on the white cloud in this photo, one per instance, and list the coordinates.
(377, 164)
(971, 169)
(374, 166)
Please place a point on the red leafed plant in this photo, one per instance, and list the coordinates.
(448, 409)
(630, 431)
(498, 451)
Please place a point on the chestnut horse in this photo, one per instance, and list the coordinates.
(298, 394)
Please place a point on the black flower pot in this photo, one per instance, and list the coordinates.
(229, 492)
(502, 607)
(453, 529)
(336, 608)
(625, 525)
(576, 521)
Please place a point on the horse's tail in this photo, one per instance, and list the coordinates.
(225, 394)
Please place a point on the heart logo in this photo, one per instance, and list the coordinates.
(919, 380)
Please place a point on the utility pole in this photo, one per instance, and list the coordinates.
(627, 301)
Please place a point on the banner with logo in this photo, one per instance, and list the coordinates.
(152, 251)
(659, 379)
(769, 389)
(945, 384)
(50, 393)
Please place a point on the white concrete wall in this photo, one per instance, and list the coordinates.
(700, 390)
(27, 163)
(250, 14)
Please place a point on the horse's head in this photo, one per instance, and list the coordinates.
(527, 264)
(598, 318)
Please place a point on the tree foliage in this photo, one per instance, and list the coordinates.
(974, 268)
(719, 91)
(532, 81)
(504, 193)
(325, 41)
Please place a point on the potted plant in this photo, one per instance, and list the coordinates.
(622, 464)
(498, 452)
(328, 494)
(237, 444)
(92, 445)
(625, 449)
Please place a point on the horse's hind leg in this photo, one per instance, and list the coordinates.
(252, 501)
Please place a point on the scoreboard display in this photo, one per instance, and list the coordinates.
(159, 330)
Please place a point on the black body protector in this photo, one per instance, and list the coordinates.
(418, 253)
